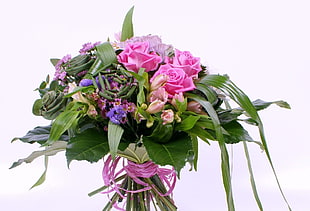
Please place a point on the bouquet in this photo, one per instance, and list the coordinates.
(142, 106)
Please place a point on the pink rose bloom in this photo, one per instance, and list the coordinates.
(186, 61)
(167, 116)
(137, 55)
(178, 81)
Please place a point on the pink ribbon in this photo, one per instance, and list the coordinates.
(136, 171)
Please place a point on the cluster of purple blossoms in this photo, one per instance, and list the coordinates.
(116, 110)
(60, 74)
(87, 47)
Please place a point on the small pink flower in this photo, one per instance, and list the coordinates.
(195, 107)
(159, 81)
(155, 107)
(178, 81)
(167, 116)
(137, 55)
(159, 94)
(177, 97)
(185, 60)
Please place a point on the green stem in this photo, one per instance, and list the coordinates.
(166, 200)
(105, 187)
(129, 195)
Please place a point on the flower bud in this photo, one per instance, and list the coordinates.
(177, 98)
(159, 81)
(194, 106)
(159, 94)
(155, 106)
(167, 116)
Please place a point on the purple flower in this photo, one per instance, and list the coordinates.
(117, 115)
(87, 47)
(60, 74)
(86, 82)
(155, 43)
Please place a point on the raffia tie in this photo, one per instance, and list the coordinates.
(136, 171)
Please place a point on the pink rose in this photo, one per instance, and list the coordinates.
(137, 55)
(186, 61)
(178, 81)
(167, 116)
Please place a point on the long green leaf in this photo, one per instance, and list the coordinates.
(56, 147)
(225, 165)
(62, 123)
(127, 29)
(39, 134)
(252, 180)
(115, 133)
(195, 149)
(226, 85)
(41, 180)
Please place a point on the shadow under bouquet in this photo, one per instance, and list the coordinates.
(142, 106)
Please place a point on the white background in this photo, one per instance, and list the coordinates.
(263, 45)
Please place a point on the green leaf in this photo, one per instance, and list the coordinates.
(201, 133)
(236, 133)
(54, 61)
(172, 153)
(260, 104)
(225, 164)
(41, 180)
(208, 92)
(187, 123)
(115, 133)
(195, 150)
(141, 78)
(229, 115)
(36, 108)
(39, 134)
(96, 67)
(80, 89)
(62, 123)
(236, 94)
(56, 147)
(252, 180)
(162, 133)
(106, 54)
(90, 145)
(127, 29)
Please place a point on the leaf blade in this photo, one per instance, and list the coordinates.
(127, 28)
(90, 145)
(115, 133)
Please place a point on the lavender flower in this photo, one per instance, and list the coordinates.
(117, 115)
(60, 74)
(155, 43)
(85, 82)
(87, 47)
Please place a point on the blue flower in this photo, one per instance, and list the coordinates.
(86, 82)
(117, 114)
